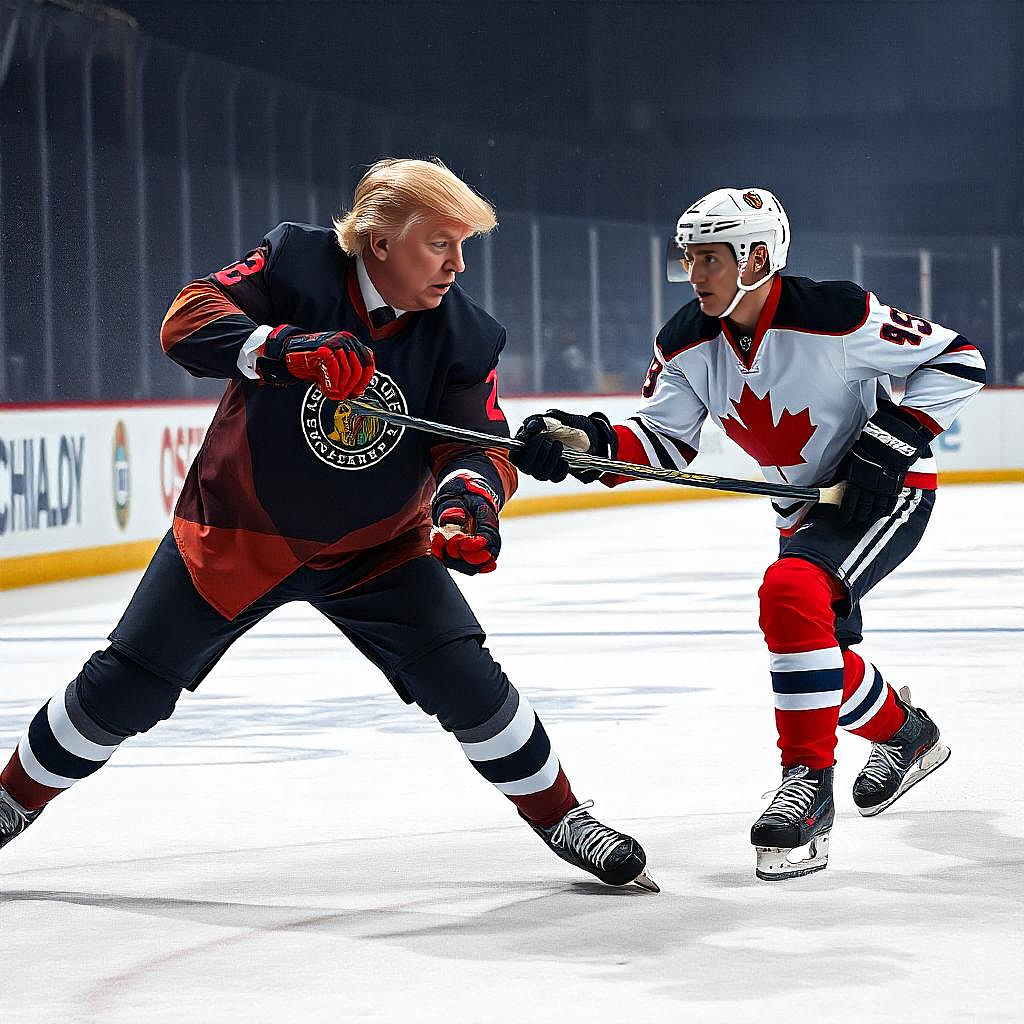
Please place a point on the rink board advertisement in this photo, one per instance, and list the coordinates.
(86, 489)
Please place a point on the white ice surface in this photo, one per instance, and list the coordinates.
(298, 845)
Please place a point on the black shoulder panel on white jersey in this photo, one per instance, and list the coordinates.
(820, 307)
(687, 328)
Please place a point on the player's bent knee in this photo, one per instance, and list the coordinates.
(458, 682)
(123, 697)
(794, 588)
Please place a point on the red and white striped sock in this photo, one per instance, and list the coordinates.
(806, 662)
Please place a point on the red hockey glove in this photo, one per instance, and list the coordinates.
(546, 437)
(465, 516)
(877, 463)
(338, 362)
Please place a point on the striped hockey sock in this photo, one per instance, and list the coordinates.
(62, 745)
(806, 662)
(869, 703)
(511, 750)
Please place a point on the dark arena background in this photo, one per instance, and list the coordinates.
(296, 843)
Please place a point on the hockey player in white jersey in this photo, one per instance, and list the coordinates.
(797, 372)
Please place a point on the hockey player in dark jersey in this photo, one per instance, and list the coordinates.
(797, 373)
(294, 496)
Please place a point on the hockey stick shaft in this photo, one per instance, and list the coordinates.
(580, 460)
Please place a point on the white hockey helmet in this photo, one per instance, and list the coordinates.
(740, 217)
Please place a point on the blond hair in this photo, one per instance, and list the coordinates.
(394, 195)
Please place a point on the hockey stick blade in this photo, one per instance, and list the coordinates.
(580, 460)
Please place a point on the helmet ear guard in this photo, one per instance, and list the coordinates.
(740, 218)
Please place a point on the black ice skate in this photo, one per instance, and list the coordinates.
(800, 815)
(901, 762)
(14, 819)
(585, 843)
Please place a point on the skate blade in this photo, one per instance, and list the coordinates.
(925, 765)
(646, 883)
(776, 863)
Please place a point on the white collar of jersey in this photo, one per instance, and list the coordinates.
(372, 298)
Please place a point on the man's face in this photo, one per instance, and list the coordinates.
(415, 272)
(711, 268)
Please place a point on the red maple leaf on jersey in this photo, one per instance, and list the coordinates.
(756, 432)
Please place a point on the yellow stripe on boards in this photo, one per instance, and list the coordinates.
(28, 570)
(69, 565)
(982, 476)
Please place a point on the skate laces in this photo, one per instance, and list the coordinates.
(793, 795)
(882, 762)
(586, 836)
(11, 820)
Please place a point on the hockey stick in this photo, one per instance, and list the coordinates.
(580, 460)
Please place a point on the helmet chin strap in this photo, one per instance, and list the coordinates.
(742, 289)
(735, 302)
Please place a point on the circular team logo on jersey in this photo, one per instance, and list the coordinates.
(346, 439)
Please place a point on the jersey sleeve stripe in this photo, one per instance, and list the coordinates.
(671, 452)
(972, 358)
(974, 373)
(677, 454)
(630, 448)
(787, 510)
(969, 356)
(959, 344)
(196, 306)
(687, 451)
(650, 455)
(666, 455)
(939, 387)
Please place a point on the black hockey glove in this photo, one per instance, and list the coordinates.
(465, 516)
(875, 466)
(546, 436)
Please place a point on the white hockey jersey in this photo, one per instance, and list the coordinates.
(797, 393)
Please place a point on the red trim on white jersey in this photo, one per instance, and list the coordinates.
(924, 419)
(764, 322)
(630, 448)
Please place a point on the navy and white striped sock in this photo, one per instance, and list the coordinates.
(511, 750)
(62, 746)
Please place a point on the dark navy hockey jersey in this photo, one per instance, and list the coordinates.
(287, 477)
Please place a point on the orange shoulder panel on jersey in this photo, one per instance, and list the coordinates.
(195, 306)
